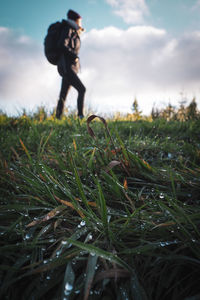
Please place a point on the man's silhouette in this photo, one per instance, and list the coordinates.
(68, 64)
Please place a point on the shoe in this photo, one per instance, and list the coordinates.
(81, 117)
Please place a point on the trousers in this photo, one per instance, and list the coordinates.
(70, 78)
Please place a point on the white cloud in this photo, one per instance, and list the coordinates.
(131, 11)
(26, 79)
(117, 65)
(142, 61)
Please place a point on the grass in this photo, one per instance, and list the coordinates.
(99, 210)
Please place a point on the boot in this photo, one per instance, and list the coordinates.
(59, 109)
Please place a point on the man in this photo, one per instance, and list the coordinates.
(68, 64)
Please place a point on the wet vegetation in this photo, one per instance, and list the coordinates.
(99, 210)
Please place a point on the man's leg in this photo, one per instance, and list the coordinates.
(78, 85)
(65, 86)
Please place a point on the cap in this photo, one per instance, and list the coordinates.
(72, 15)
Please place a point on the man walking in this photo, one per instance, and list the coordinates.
(68, 64)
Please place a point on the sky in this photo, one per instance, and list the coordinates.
(143, 49)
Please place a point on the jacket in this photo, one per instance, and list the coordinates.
(69, 44)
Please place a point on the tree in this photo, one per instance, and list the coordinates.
(135, 108)
(181, 113)
(192, 113)
(155, 113)
(168, 113)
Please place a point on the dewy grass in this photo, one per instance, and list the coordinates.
(116, 217)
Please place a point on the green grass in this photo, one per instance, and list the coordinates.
(111, 217)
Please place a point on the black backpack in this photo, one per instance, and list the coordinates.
(51, 49)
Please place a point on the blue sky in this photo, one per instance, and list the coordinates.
(32, 17)
(132, 48)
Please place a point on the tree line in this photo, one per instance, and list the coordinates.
(170, 113)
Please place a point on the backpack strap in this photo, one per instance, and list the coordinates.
(64, 42)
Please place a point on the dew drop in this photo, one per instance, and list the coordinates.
(64, 242)
(68, 289)
(27, 236)
(82, 223)
(108, 218)
(52, 240)
(73, 261)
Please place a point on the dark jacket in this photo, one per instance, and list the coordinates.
(69, 43)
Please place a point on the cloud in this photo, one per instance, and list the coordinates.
(117, 66)
(196, 5)
(141, 61)
(131, 11)
(26, 79)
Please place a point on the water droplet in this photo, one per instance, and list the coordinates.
(68, 289)
(52, 240)
(162, 244)
(108, 218)
(169, 155)
(73, 261)
(58, 252)
(27, 236)
(64, 243)
(82, 223)
(167, 243)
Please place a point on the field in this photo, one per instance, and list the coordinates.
(104, 210)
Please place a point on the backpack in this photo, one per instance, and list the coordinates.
(51, 49)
